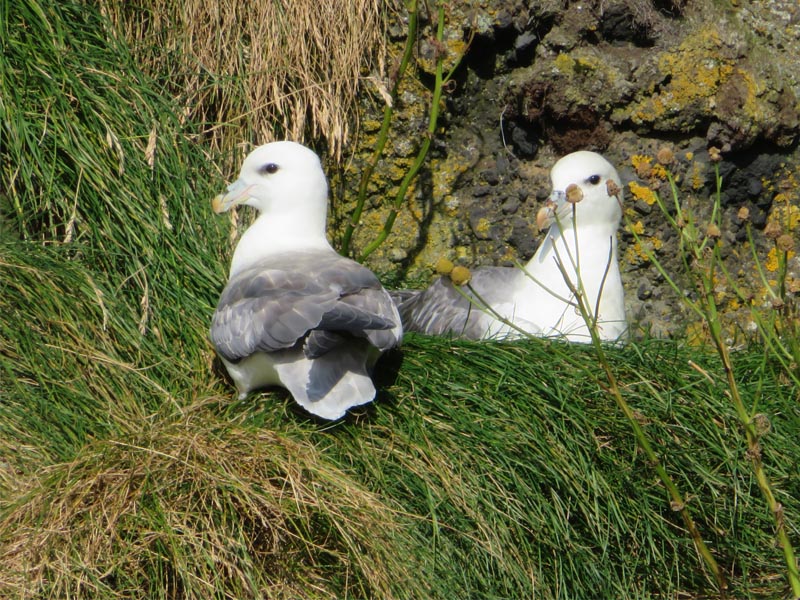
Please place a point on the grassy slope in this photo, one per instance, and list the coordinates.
(128, 469)
(484, 470)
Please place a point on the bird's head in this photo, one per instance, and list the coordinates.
(280, 177)
(586, 188)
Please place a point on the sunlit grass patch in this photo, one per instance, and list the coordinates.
(195, 507)
(482, 470)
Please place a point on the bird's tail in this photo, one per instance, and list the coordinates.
(329, 384)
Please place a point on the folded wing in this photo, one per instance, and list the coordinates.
(317, 297)
(443, 309)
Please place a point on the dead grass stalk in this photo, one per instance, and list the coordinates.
(276, 69)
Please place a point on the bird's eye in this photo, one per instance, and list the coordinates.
(594, 179)
(269, 168)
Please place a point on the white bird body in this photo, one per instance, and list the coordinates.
(577, 258)
(294, 312)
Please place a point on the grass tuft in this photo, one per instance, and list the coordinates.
(194, 507)
(265, 70)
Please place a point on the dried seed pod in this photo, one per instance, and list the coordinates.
(665, 156)
(544, 217)
(713, 231)
(644, 170)
(677, 506)
(773, 230)
(753, 453)
(612, 189)
(460, 275)
(762, 423)
(216, 204)
(444, 266)
(743, 214)
(574, 193)
(714, 154)
(785, 242)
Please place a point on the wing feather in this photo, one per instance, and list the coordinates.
(441, 309)
(275, 304)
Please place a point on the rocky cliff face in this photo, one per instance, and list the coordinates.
(625, 78)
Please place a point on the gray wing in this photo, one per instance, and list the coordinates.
(377, 300)
(442, 309)
(277, 304)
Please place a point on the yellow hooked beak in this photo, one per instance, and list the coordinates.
(237, 193)
(556, 206)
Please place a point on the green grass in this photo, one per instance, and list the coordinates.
(483, 470)
(128, 468)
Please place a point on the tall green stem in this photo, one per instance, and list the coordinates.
(753, 443)
(714, 322)
(590, 317)
(677, 501)
(701, 258)
(383, 134)
(423, 151)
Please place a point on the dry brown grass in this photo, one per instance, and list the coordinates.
(260, 70)
(197, 508)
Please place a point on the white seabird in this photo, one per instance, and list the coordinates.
(580, 247)
(295, 313)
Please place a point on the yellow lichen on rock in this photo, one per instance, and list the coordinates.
(639, 252)
(451, 50)
(784, 215)
(694, 72)
(642, 192)
(564, 63)
(645, 169)
(696, 176)
(659, 172)
(483, 226)
(432, 210)
(641, 162)
(445, 172)
(636, 228)
(771, 263)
